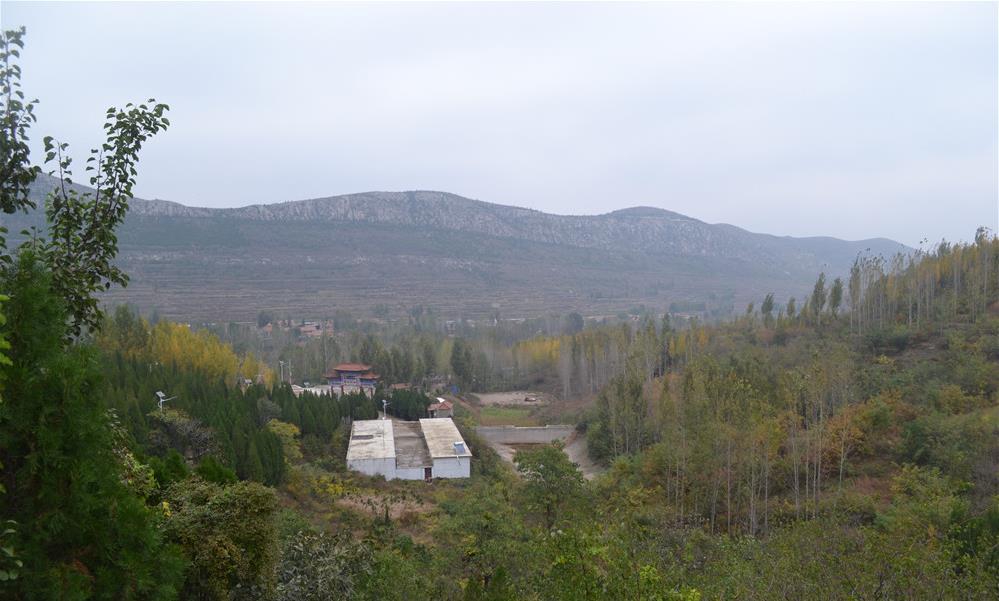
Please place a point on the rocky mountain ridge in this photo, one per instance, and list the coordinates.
(642, 229)
(436, 247)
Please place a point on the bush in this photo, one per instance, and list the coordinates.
(893, 339)
(227, 533)
(213, 471)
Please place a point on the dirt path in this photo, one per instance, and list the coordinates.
(579, 453)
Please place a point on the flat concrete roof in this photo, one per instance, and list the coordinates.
(410, 448)
(371, 439)
(441, 434)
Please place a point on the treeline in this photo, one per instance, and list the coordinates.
(788, 405)
(953, 282)
(167, 343)
(414, 351)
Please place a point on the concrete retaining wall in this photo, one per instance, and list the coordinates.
(524, 435)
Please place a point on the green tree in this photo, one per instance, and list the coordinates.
(289, 435)
(836, 296)
(87, 534)
(81, 532)
(16, 177)
(315, 567)
(228, 535)
(462, 363)
(818, 300)
(83, 246)
(572, 324)
(212, 471)
(264, 318)
(767, 309)
(169, 469)
(16, 172)
(550, 479)
(481, 533)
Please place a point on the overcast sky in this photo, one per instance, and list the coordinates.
(845, 120)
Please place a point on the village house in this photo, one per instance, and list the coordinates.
(398, 450)
(310, 330)
(442, 408)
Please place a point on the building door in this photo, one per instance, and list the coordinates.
(428, 474)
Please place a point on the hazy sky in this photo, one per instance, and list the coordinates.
(849, 120)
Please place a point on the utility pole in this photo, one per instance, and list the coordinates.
(326, 361)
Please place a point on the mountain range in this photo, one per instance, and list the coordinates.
(465, 258)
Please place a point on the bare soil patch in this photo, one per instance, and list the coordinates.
(514, 398)
(374, 505)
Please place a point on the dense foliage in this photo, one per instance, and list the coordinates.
(82, 531)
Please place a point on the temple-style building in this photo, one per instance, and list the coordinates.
(352, 377)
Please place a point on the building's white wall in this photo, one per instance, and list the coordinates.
(409, 473)
(386, 468)
(452, 467)
(338, 390)
(375, 467)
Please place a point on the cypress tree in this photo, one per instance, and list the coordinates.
(253, 468)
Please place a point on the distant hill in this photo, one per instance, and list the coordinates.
(466, 258)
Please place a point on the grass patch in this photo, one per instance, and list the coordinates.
(507, 416)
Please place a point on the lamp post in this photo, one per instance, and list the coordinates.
(162, 398)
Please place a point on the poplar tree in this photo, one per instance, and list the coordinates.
(818, 300)
(767, 309)
(836, 296)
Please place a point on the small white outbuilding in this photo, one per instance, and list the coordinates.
(432, 448)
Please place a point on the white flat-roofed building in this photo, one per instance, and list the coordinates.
(372, 448)
(431, 448)
(449, 453)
